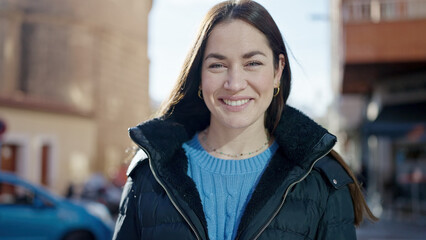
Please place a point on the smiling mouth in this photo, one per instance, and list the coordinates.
(235, 103)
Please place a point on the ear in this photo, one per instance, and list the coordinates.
(279, 70)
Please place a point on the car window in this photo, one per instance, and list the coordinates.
(15, 195)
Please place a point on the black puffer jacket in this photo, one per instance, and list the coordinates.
(302, 193)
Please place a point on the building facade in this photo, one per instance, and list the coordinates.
(379, 78)
(73, 77)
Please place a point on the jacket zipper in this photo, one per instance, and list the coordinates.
(286, 193)
(168, 193)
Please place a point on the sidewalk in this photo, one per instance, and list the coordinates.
(389, 229)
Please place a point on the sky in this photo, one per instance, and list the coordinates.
(305, 28)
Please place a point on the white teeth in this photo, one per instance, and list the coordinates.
(235, 103)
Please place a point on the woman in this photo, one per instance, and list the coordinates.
(227, 159)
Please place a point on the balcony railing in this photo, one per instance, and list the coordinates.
(383, 10)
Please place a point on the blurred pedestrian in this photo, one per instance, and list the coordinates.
(70, 191)
(227, 158)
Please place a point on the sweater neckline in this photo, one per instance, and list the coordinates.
(198, 155)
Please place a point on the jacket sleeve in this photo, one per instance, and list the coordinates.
(128, 221)
(338, 219)
(127, 225)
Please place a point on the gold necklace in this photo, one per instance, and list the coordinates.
(238, 155)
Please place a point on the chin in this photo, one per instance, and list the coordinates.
(238, 124)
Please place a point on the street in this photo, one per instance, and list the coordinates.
(387, 229)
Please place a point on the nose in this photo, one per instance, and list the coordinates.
(236, 80)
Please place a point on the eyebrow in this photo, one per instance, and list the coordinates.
(246, 55)
(253, 53)
(215, 55)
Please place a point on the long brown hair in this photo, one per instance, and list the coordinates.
(184, 105)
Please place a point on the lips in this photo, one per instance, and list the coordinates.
(236, 102)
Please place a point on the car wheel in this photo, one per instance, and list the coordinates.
(79, 235)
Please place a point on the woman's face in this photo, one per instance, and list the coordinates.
(238, 75)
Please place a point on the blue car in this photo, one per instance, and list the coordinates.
(29, 212)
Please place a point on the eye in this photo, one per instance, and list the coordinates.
(216, 65)
(253, 64)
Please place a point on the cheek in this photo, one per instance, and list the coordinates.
(209, 88)
(264, 83)
(205, 79)
(210, 83)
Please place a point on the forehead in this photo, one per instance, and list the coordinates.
(236, 36)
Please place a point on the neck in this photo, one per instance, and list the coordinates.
(234, 141)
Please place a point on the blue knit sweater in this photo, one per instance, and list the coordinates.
(224, 185)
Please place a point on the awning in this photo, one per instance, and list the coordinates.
(400, 121)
